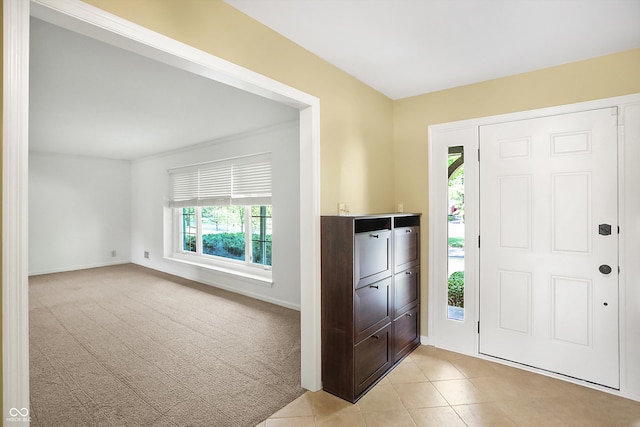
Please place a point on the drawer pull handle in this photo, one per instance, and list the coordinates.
(408, 314)
(408, 230)
(374, 286)
(374, 235)
(376, 337)
(408, 273)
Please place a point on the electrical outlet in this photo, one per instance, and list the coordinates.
(400, 207)
(113, 253)
(146, 254)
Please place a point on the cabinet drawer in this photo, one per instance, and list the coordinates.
(407, 289)
(372, 256)
(372, 308)
(372, 358)
(406, 332)
(406, 247)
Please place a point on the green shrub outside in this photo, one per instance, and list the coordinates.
(456, 242)
(228, 245)
(456, 289)
(231, 245)
(189, 243)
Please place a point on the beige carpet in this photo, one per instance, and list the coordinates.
(129, 346)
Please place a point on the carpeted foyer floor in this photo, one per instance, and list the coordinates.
(129, 346)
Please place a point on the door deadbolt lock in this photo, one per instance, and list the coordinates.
(604, 229)
(604, 269)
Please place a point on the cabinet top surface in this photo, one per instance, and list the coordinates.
(388, 215)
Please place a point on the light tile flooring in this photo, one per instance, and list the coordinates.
(435, 387)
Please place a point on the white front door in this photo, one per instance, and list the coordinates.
(549, 244)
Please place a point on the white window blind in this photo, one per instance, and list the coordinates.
(239, 181)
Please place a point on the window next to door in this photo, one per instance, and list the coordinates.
(455, 233)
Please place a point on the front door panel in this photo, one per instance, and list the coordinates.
(548, 267)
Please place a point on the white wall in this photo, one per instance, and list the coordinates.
(79, 211)
(150, 185)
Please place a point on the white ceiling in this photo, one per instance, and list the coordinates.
(89, 98)
(404, 48)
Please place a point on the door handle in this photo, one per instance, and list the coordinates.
(604, 269)
(604, 229)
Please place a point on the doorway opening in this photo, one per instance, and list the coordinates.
(89, 20)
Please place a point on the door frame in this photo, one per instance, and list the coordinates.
(463, 337)
(99, 24)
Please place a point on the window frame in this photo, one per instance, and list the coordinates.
(244, 268)
(249, 240)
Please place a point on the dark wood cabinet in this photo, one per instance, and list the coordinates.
(372, 307)
(370, 298)
(407, 289)
(406, 334)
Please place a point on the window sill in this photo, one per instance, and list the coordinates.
(254, 275)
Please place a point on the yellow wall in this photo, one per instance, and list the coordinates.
(602, 77)
(356, 121)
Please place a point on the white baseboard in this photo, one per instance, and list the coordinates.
(193, 277)
(196, 278)
(79, 267)
(425, 340)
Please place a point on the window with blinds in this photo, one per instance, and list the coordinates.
(223, 214)
(242, 181)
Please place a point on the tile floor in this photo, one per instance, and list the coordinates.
(435, 387)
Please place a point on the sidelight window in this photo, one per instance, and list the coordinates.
(455, 234)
